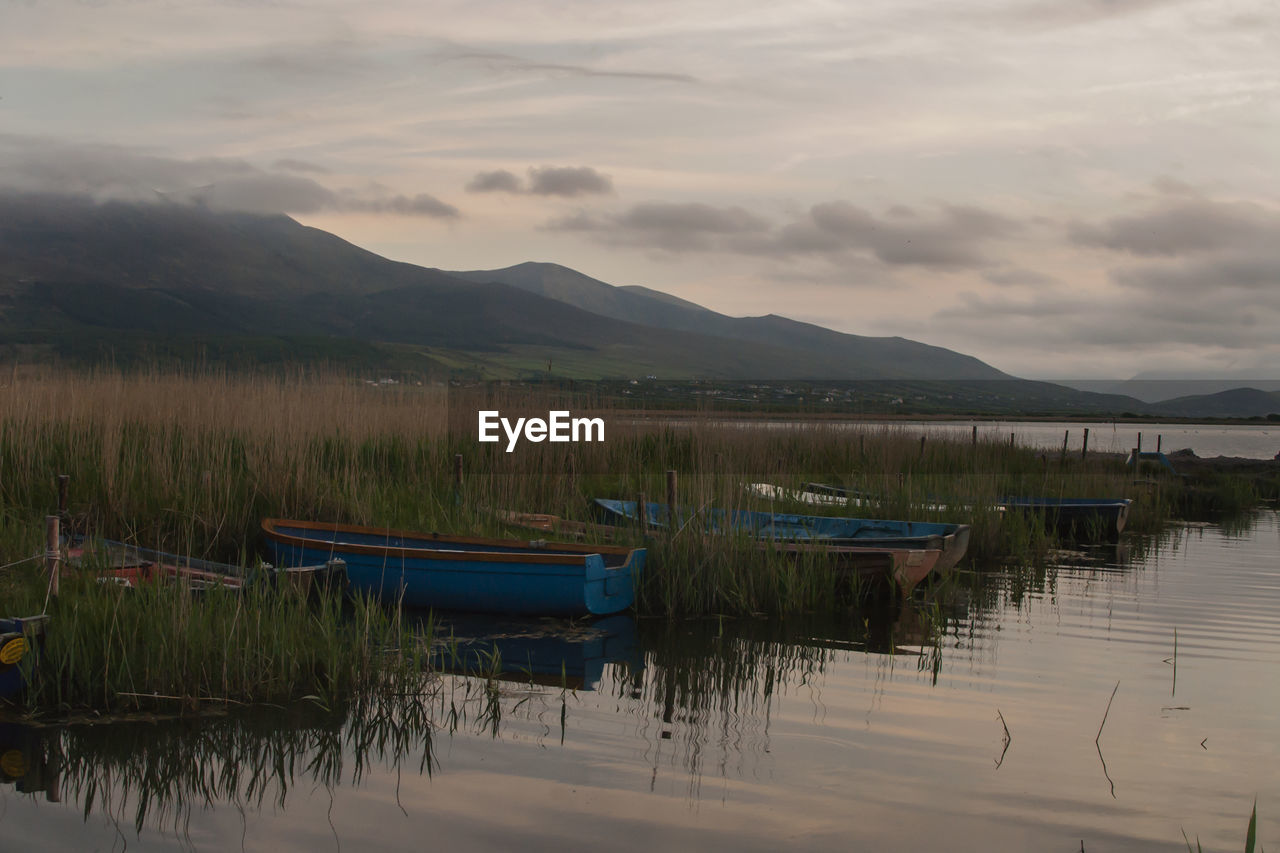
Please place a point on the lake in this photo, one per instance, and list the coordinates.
(1112, 701)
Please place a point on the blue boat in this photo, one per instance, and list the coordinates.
(951, 539)
(514, 576)
(1083, 517)
(20, 642)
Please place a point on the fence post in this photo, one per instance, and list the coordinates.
(52, 552)
(1084, 447)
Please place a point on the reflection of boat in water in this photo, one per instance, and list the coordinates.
(26, 761)
(550, 652)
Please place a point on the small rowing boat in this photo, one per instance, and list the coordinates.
(467, 573)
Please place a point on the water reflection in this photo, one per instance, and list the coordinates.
(985, 699)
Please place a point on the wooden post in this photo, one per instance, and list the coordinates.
(1065, 436)
(64, 482)
(922, 446)
(51, 553)
(1159, 441)
(671, 502)
(1011, 439)
(975, 435)
(1084, 446)
(1138, 451)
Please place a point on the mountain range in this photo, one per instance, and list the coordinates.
(84, 282)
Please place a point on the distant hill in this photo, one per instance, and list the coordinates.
(1155, 388)
(865, 357)
(1236, 403)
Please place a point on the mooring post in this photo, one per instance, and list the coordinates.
(1011, 439)
(671, 502)
(51, 552)
(1065, 436)
(64, 482)
(1138, 451)
(975, 435)
(1159, 441)
(1084, 446)
(922, 446)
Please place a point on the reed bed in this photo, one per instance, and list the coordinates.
(192, 463)
(167, 647)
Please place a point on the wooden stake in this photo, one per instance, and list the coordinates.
(1084, 446)
(1066, 435)
(671, 502)
(975, 435)
(51, 553)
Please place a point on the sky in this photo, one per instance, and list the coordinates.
(1062, 188)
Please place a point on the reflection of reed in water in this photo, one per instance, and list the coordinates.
(711, 685)
(153, 772)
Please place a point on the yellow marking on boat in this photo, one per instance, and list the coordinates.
(14, 764)
(13, 651)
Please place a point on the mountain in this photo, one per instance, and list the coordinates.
(145, 283)
(871, 357)
(1155, 388)
(1236, 403)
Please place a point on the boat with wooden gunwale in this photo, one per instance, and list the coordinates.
(130, 566)
(467, 573)
(905, 568)
(952, 540)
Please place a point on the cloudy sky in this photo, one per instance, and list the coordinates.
(1063, 188)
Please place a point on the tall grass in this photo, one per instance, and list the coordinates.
(161, 646)
(193, 463)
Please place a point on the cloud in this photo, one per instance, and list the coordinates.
(563, 181)
(516, 63)
(1184, 228)
(107, 172)
(497, 181)
(568, 181)
(669, 226)
(837, 231)
(290, 165)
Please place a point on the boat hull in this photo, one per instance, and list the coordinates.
(462, 573)
(20, 643)
(1077, 517)
(952, 540)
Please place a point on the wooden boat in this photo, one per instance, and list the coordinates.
(1082, 517)
(905, 568)
(467, 573)
(130, 566)
(1069, 516)
(20, 642)
(951, 539)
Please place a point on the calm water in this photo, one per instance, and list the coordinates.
(1248, 441)
(875, 731)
